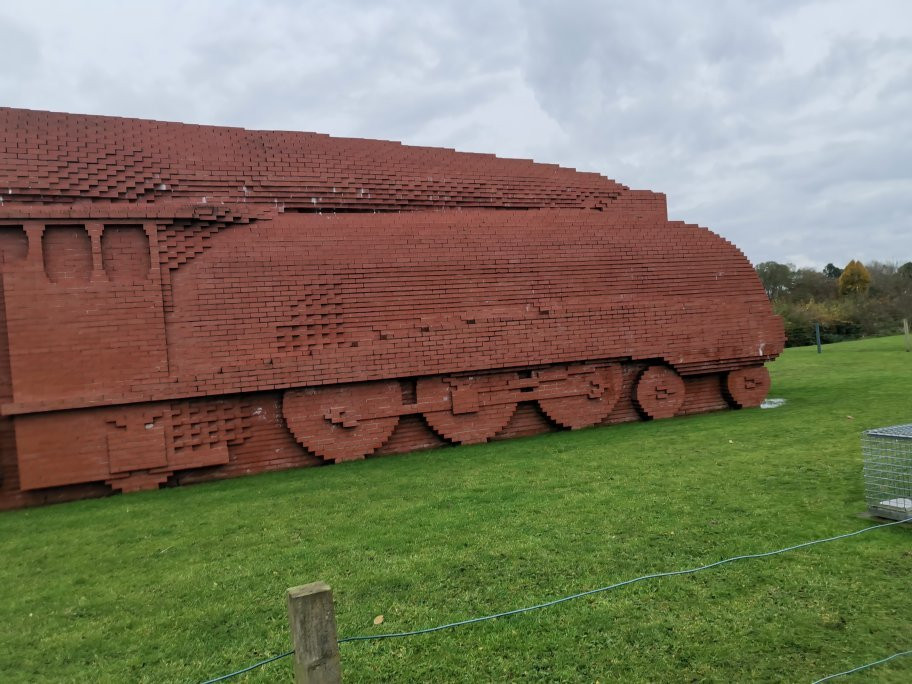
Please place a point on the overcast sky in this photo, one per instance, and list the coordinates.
(785, 126)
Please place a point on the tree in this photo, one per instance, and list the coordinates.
(808, 284)
(776, 278)
(832, 272)
(884, 279)
(905, 270)
(855, 279)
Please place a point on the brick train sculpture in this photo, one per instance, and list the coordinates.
(183, 303)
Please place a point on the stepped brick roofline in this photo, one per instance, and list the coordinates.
(48, 157)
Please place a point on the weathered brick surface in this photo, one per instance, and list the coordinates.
(185, 303)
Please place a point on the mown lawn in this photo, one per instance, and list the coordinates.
(188, 583)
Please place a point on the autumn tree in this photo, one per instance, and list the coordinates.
(855, 279)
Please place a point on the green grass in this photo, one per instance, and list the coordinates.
(188, 583)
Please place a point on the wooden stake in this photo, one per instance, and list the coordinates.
(312, 620)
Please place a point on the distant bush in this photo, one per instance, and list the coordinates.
(857, 301)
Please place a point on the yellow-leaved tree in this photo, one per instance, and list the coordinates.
(855, 279)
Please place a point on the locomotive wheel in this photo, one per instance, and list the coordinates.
(659, 392)
(472, 424)
(345, 422)
(600, 389)
(746, 387)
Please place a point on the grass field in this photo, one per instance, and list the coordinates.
(188, 583)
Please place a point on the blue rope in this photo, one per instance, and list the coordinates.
(863, 667)
(618, 585)
(547, 604)
(249, 668)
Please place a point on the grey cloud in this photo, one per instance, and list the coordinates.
(386, 71)
(709, 110)
(20, 53)
(779, 124)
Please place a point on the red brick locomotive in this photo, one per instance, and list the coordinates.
(183, 303)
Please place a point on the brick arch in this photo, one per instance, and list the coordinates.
(67, 254)
(125, 253)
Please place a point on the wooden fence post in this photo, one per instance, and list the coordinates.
(313, 634)
(906, 333)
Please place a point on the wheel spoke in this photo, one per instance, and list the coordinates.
(597, 391)
(467, 417)
(343, 422)
(746, 387)
(659, 392)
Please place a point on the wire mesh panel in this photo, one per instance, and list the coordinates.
(888, 471)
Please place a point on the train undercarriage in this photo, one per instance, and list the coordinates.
(347, 422)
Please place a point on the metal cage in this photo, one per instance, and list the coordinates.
(888, 471)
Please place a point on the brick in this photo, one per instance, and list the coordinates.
(187, 303)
